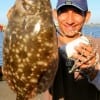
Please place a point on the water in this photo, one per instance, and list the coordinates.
(92, 30)
(89, 30)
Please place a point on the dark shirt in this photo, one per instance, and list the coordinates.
(65, 86)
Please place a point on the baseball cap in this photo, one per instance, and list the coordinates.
(80, 4)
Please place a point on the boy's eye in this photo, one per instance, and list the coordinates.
(77, 11)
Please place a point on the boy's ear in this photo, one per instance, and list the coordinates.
(54, 12)
(88, 15)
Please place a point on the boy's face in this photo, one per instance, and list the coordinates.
(70, 20)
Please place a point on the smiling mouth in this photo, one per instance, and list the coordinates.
(69, 27)
(66, 33)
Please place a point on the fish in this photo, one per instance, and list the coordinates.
(30, 48)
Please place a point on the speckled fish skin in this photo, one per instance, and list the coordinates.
(30, 50)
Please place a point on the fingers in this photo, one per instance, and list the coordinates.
(85, 56)
(84, 49)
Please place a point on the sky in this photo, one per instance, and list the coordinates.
(93, 6)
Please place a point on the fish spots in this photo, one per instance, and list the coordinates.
(30, 51)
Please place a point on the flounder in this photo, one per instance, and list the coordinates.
(30, 53)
